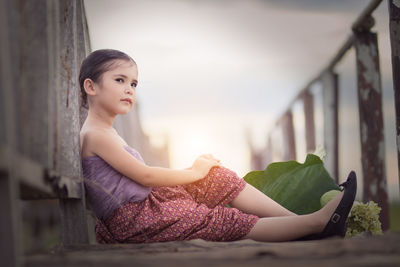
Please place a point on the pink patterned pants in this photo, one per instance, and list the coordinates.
(183, 212)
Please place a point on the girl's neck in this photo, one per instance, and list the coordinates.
(100, 120)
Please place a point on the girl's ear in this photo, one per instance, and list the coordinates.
(90, 87)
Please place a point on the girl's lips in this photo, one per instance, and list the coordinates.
(127, 100)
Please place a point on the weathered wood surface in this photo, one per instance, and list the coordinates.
(289, 140)
(308, 106)
(9, 225)
(394, 26)
(68, 16)
(360, 251)
(39, 115)
(331, 122)
(371, 122)
(9, 222)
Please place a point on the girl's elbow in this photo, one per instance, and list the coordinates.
(148, 180)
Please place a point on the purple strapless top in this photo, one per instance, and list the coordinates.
(107, 189)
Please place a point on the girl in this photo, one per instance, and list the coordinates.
(138, 203)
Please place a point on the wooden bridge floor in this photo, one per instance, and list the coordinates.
(361, 251)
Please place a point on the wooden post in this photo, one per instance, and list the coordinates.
(289, 141)
(10, 241)
(10, 219)
(371, 121)
(331, 125)
(39, 114)
(394, 26)
(73, 211)
(268, 152)
(308, 104)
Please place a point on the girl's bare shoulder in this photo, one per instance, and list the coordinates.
(92, 137)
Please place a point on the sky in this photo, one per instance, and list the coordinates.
(211, 71)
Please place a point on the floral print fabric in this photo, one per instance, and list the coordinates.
(184, 212)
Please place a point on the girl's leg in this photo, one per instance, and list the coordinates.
(219, 187)
(252, 201)
(286, 228)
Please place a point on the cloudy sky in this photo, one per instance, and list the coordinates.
(209, 70)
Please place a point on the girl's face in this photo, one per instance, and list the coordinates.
(116, 90)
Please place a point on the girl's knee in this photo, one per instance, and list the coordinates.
(220, 171)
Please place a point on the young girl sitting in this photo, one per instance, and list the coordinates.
(137, 203)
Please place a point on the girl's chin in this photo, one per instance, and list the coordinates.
(125, 111)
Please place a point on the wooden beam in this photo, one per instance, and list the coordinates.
(268, 158)
(11, 252)
(394, 27)
(72, 211)
(331, 123)
(308, 104)
(371, 122)
(35, 181)
(10, 241)
(364, 19)
(289, 141)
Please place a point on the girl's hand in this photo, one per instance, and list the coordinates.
(203, 164)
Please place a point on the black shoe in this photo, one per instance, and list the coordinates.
(337, 224)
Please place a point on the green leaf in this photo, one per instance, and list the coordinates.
(298, 187)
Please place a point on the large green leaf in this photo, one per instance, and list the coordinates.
(298, 187)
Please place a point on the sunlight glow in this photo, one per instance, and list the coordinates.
(221, 135)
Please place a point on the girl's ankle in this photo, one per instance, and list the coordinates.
(328, 210)
(321, 221)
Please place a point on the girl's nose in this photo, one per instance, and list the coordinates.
(129, 90)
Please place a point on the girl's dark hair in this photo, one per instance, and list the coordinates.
(94, 65)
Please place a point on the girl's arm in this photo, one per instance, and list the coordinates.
(109, 149)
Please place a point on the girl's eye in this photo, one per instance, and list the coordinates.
(133, 84)
(120, 80)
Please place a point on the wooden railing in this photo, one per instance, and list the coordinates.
(42, 45)
(369, 102)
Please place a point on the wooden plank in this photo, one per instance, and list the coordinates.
(54, 72)
(83, 50)
(331, 123)
(36, 108)
(31, 175)
(288, 136)
(364, 19)
(10, 243)
(10, 220)
(371, 122)
(25, 171)
(35, 181)
(32, 90)
(394, 27)
(308, 105)
(380, 250)
(268, 153)
(68, 157)
(73, 214)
